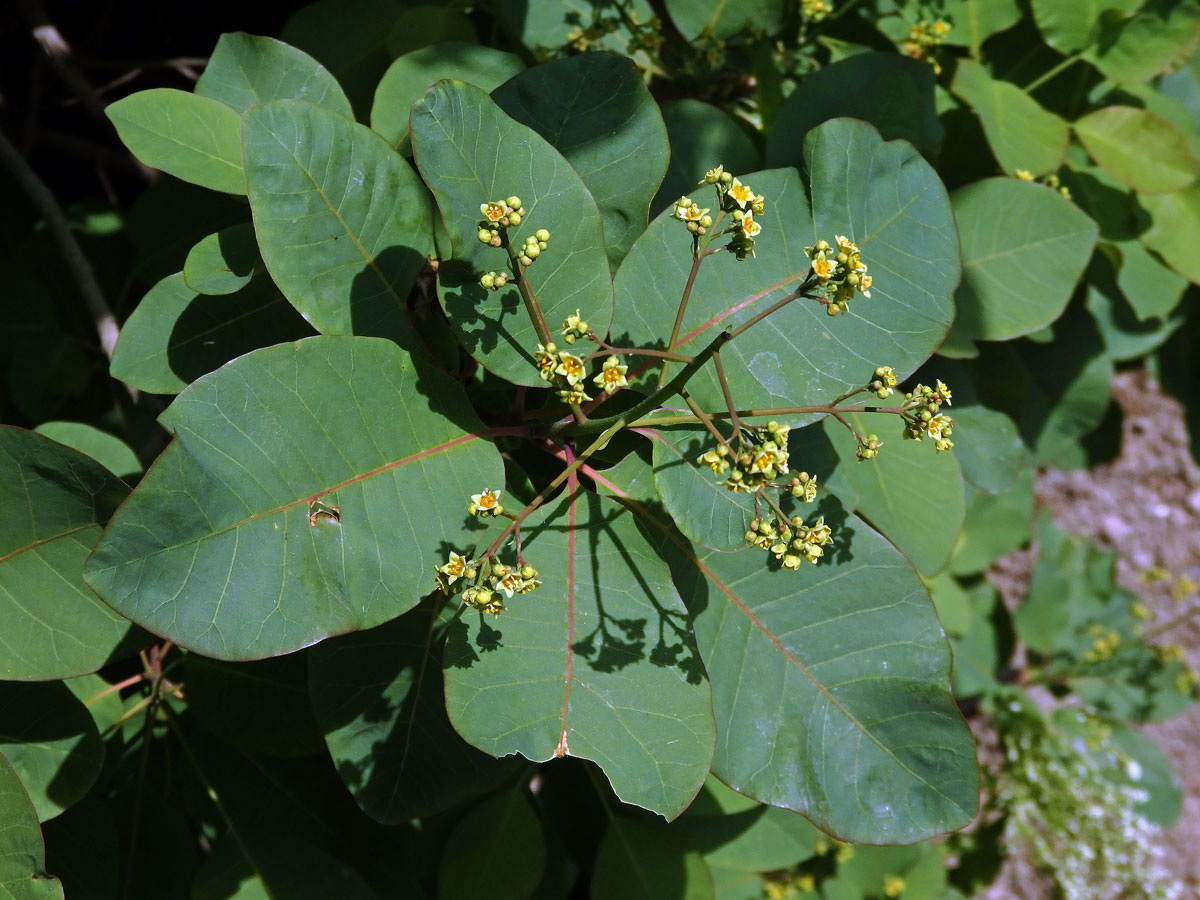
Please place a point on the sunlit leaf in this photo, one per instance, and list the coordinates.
(23, 874)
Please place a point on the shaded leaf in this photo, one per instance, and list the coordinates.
(645, 862)
(995, 524)
(1140, 148)
(413, 73)
(548, 26)
(1174, 231)
(176, 335)
(617, 142)
(596, 663)
(191, 137)
(508, 852)
(343, 222)
(1152, 289)
(1157, 38)
(224, 262)
(702, 136)
(82, 850)
(428, 23)
(257, 866)
(378, 698)
(988, 447)
(246, 70)
(23, 874)
(1069, 25)
(1021, 133)
(720, 20)
(464, 172)
(107, 449)
(843, 673)
(223, 545)
(893, 93)
(54, 626)
(51, 742)
(977, 20)
(1024, 248)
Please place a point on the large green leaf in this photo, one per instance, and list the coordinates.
(343, 222)
(720, 19)
(1020, 132)
(883, 196)
(596, 663)
(508, 852)
(1069, 25)
(246, 70)
(23, 874)
(50, 740)
(617, 142)
(409, 76)
(702, 136)
(977, 20)
(1023, 248)
(470, 152)
(191, 137)
(223, 546)
(639, 861)
(1157, 38)
(988, 448)
(840, 673)
(378, 698)
(54, 627)
(1142, 149)
(1151, 288)
(893, 93)
(1174, 231)
(995, 524)
(176, 335)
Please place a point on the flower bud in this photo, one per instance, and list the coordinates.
(514, 218)
(706, 221)
(542, 235)
(488, 279)
(495, 241)
(485, 236)
(524, 260)
(514, 202)
(501, 279)
(532, 251)
(726, 177)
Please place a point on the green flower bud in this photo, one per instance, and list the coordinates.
(485, 236)
(542, 235)
(501, 279)
(514, 218)
(706, 221)
(532, 251)
(514, 202)
(487, 279)
(726, 177)
(541, 245)
(524, 260)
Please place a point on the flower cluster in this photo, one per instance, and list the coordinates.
(486, 583)
(755, 467)
(566, 371)
(869, 447)
(498, 215)
(1105, 643)
(840, 273)
(493, 281)
(1051, 181)
(815, 10)
(924, 37)
(742, 204)
(921, 416)
(574, 328)
(791, 543)
(688, 211)
(533, 246)
(882, 382)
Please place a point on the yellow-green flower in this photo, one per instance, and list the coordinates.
(823, 268)
(493, 212)
(712, 176)
(935, 426)
(546, 360)
(454, 567)
(740, 193)
(612, 375)
(1024, 174)
(750, 228)
(574, 396)
(485, 503)
(893, 885)
(570, 367)
(944, 391)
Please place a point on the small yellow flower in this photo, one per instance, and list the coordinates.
(612, 375)
(574, 396)
(691, 213)
(570, 367)
(493, 212)
(546, 360)
(510, 584)
(940, 28)
(943, 444)
(712, 176)
(741, 193)
(945, 393)
(935, 426)
(1024, 174)
(454, 568)
(758, 204)
(485, 503)
(822, 267)
(750, 228)
(893, 885)
(845, 245)
(864, 286)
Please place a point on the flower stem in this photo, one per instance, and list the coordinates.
(698, 257)
(734, 419)
(527, 295)
(703, 416)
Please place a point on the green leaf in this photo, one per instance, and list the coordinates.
(463, 172)
(637, 861)
(257, 866)
(995, 524)
(1069, 25)
(54, 627)
(883, 196)
(1153, 290)
(507, 851)
(413, 73)
(617, 143)
(977, 20)
(23, 874)
(82, 850)
(910, 492)
(720, 20)
(988, 448)
(427, 23)
(1125, 337)
(108, 450)
(1174, 231)
(842, 673)
(702, 136)
(176, 335)
(986, 644)
(191, 137)
(1020, 132)
(551, 25)
(576, 668)
(1023, 249)
(51, 742)
(246, 70)
(260, 706)
(224, 262)
(1140, 148)
(893, 93)
(1159, 37)
(378, 698)
(343, 222)
(223, 546)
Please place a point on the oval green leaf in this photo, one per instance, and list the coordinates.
(464, 171)
(719, 20)
(1139, 148)
(576, 668)
(1021, 133)
(640, 861)
(223, 262)
(1069, 25)
(250, 865)
(618, 145)
(107, 449)
(508, 852)
(308, 492)
(191, 137)
(23, 874)
(1174, 232)
(246, 70)
(54, 626)
(1024, 248)
(343, 222)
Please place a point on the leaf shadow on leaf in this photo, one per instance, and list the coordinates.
(378, 294)
(240, 250)
(464, 297)
(42, 715)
